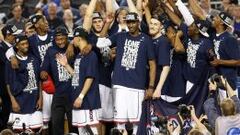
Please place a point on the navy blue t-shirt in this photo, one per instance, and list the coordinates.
(162, 49)
(197, 60)
(133, 54)
(86, 67)
(104, 63)
(60, 76)
(226, 48)
(39, 47)
(24, 83)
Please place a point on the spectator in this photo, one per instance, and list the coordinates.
(68, 21)
(26, 11)
(206, 6)
(7, 132)
(17, 19)
(230, 108)
(236, 13)
(53, 20)
(66, 4)
(82, 11)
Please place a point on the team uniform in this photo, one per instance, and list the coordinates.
(197, 59)
(38, 47)
(226, 48)
(130, 74)
(24, 86)
(86, 67)
(105, 71)
(61, 102)
(162, 49)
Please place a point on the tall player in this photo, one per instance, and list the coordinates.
(134, 53)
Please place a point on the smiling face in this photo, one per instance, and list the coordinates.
(133, 26)
(61, 41)
(154, 27)
(22, 47)
(192, 30)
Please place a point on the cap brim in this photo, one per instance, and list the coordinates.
(204, 33)
(17, 32)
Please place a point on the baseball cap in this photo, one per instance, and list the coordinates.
(80, 32)
(202, 27)
(132, 17)
(35, 18)
(10, 29)
(226, 19)
(61, 31)
(20, 37)
(96, 15)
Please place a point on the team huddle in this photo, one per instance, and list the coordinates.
(105, 69)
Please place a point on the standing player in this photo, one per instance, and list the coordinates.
(39, 44)
(85, 81)
(134, 54)
(162, 49)
(226, 50)
(8, 32)
(24, 84)
(61, 103)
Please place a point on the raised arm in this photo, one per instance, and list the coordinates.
(132, 7)
(174, 18)
(139, 7)
(147, 12)
(187, 16)
(87, 23)
(109, 7)
(197, 10)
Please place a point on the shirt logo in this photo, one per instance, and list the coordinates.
(130, 54)
(75, 79)
(32, 82)
(192, 53)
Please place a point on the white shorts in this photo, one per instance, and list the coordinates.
(127, 104)
(81, 118)
(47, 103)
(31, 121)
(106, 95)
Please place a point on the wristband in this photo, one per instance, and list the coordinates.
(81, 96)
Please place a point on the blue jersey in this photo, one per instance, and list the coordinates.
(39, 47)
(226, 48)
(24, 83)
(197, 60)
(86, 67)
(162, 49)
(104, 63)
(133, 54)
(61, 77)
